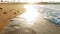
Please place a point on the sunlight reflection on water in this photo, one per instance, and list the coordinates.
(30, 13)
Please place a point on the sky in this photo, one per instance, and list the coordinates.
(39, 0)
(34, 0)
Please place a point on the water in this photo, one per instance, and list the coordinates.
(39, 25)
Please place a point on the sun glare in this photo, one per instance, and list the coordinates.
(30, 13)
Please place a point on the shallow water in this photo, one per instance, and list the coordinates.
(35, 25)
